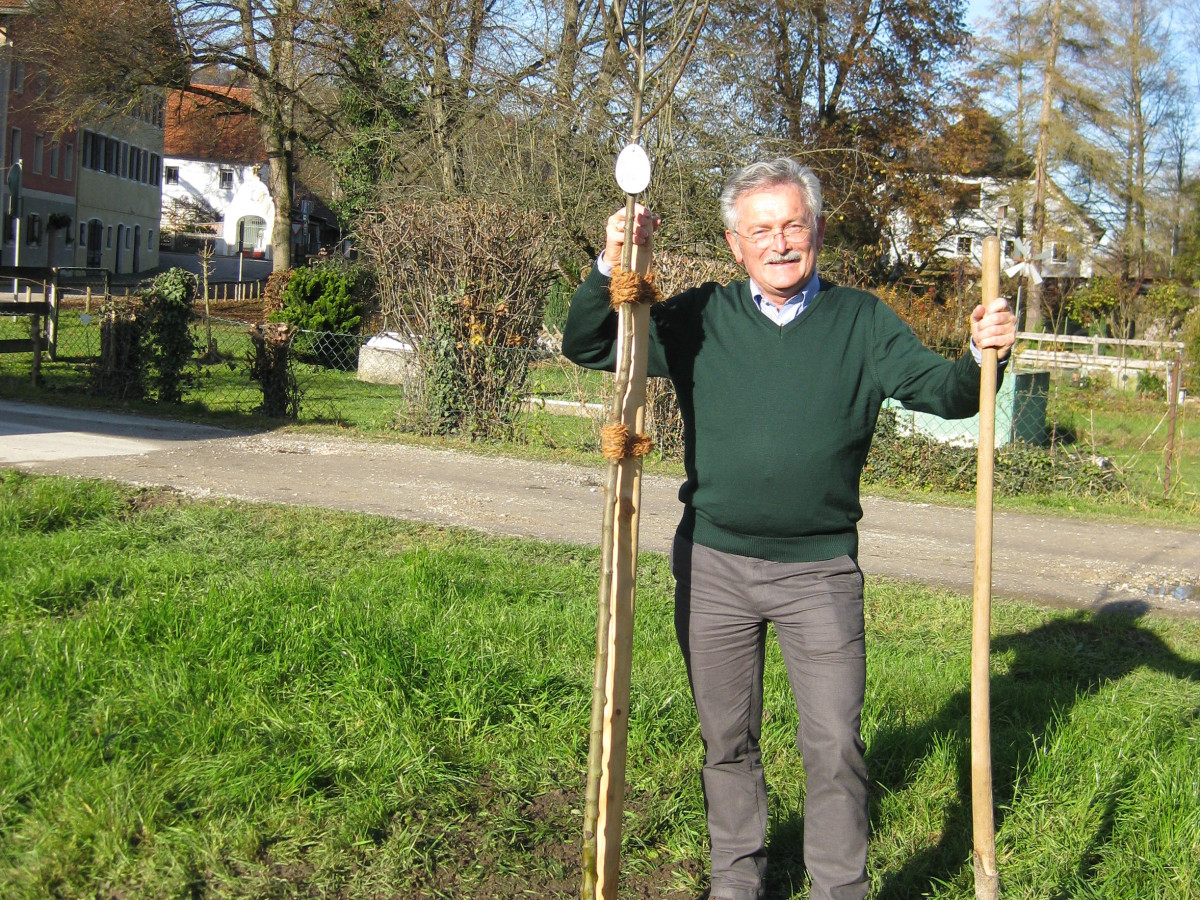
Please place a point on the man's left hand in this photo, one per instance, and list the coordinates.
(994, 326)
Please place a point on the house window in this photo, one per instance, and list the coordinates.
(1058, 252)
(82, 233)
(69, 162)
(14, 146)
(124, 173)
(1010, 247)
(111, 148)
(54, 161)
(33, 230)
(18, 84)
(149, 238)
(963, 247)
(128, 232)
(171, 174)
(227, 179)
(108, 238)
(39, 153)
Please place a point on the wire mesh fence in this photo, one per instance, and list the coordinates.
(1057, 431)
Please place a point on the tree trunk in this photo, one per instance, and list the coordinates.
(275, 117)
(1033, 314)
(568, 56)
(279, 177)
(1140, 139)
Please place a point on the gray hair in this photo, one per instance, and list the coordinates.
(770, 173)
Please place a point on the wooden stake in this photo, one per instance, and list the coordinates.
(35, 338)
(1174, 380)
(987, 878)
(605, 798)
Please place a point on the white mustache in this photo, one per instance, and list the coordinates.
(790, 256)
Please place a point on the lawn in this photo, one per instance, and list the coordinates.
(1130, 431)
(212, 700)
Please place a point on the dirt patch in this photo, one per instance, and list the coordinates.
(497, 850)
(250, 311)
(150, 498)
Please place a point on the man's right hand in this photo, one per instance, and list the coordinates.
(644, 226)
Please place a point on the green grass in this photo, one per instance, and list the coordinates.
(212, 700)
(1132, 432)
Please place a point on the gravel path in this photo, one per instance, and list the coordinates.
(1046, 560)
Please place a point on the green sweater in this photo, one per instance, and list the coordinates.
(777, 420)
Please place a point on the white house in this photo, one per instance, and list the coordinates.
(986, 206)
(213, 168)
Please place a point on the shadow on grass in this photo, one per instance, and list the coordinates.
(1053, 667)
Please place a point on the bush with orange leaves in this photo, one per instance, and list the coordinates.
(465, 282)
(941, 326)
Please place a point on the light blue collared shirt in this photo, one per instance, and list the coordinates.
(782, 315)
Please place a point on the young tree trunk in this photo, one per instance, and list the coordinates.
(1033, 313)
(605, 795)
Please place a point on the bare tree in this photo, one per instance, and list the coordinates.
(1144, 91)
(1065, 36)
(854, 86)
(1006, 74)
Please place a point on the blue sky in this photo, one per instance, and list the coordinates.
(977, 9)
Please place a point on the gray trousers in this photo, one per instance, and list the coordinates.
(723, 603)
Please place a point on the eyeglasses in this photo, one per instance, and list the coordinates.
(762, 238)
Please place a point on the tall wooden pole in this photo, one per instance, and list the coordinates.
(624, 444)
(987, 878)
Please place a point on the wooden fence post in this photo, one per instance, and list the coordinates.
(35, 337)
(1174, 381)
(50, 301)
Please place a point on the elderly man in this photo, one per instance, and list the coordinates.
(780, 379)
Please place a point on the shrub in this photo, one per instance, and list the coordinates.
(168, 307)
(939, 326)
(1151, 387)
(271, 367)
(321, 302)
(917, 462)
(466, 281)
(121, 371)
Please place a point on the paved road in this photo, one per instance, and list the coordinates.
(1045, 560)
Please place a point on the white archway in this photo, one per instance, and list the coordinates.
(250, 206)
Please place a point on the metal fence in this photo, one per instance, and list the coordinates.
(371, 384)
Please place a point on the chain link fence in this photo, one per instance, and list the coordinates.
(1066, 431)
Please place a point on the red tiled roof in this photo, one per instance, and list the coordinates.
(211, 129)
